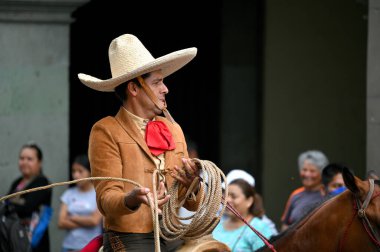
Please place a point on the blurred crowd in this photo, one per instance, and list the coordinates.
(82, 221)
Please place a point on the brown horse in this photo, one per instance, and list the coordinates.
(347, 222)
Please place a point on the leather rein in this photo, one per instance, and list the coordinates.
(261, 236)
(360, 211)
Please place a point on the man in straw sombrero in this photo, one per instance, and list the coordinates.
(136, 142)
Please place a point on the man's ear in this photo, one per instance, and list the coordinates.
(132, 88)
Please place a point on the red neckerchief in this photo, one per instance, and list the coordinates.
(158, 137)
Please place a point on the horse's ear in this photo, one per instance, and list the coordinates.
(349, 180)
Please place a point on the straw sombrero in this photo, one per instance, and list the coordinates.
(129, 59)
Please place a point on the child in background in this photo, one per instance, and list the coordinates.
(332, 179)
(79, 214)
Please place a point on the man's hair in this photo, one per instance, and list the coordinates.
(330, 171)
(120, 91)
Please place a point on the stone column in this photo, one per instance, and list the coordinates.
(34, 90)
(373, 87)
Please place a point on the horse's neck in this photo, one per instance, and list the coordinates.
(325, 223)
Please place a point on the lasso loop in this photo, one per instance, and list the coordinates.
(208, 214)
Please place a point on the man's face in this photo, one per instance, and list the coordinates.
(155, 82)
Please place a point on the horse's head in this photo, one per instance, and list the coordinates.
(362, 191)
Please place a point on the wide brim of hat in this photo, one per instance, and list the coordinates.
(168, 64)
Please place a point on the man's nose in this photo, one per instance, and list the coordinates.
(165, 89)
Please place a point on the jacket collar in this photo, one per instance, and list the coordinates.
(127, 123)
(129, 126)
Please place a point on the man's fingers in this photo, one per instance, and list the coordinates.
(195, 168)
(141, 194)
(161, 187)
(190, 166)
(160, 202)
(161, 190)
(181, 173)
(163, 201)
(177, 177)
(135, 197)
(186, 163)
(141, 191)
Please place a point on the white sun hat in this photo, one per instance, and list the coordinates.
(129, 59)
(239, 174)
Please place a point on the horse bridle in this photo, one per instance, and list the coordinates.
(362, 214)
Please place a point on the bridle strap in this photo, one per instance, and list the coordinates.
(154, 99)
(362, 215)
(361, 210)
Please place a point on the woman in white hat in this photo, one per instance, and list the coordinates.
(231, 230)
(136, 142)
(258, 207)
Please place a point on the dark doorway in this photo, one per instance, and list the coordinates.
(163, 27)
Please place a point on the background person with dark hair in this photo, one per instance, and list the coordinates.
(258, 207)
(332, 179)
(231, 230)
(79, 214)
(34, 209)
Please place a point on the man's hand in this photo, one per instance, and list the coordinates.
(187, 173)
(139, 196)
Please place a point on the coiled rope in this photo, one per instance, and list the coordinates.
(208, 214)
(203, 220)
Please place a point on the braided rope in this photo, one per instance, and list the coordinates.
(208, 214)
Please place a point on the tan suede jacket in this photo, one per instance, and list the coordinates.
(117, 149)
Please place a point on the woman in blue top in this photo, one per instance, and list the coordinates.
(79, 214)
(231, 230)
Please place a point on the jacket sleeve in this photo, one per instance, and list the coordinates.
(105, 161)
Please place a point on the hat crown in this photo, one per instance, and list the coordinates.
(126, 53)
